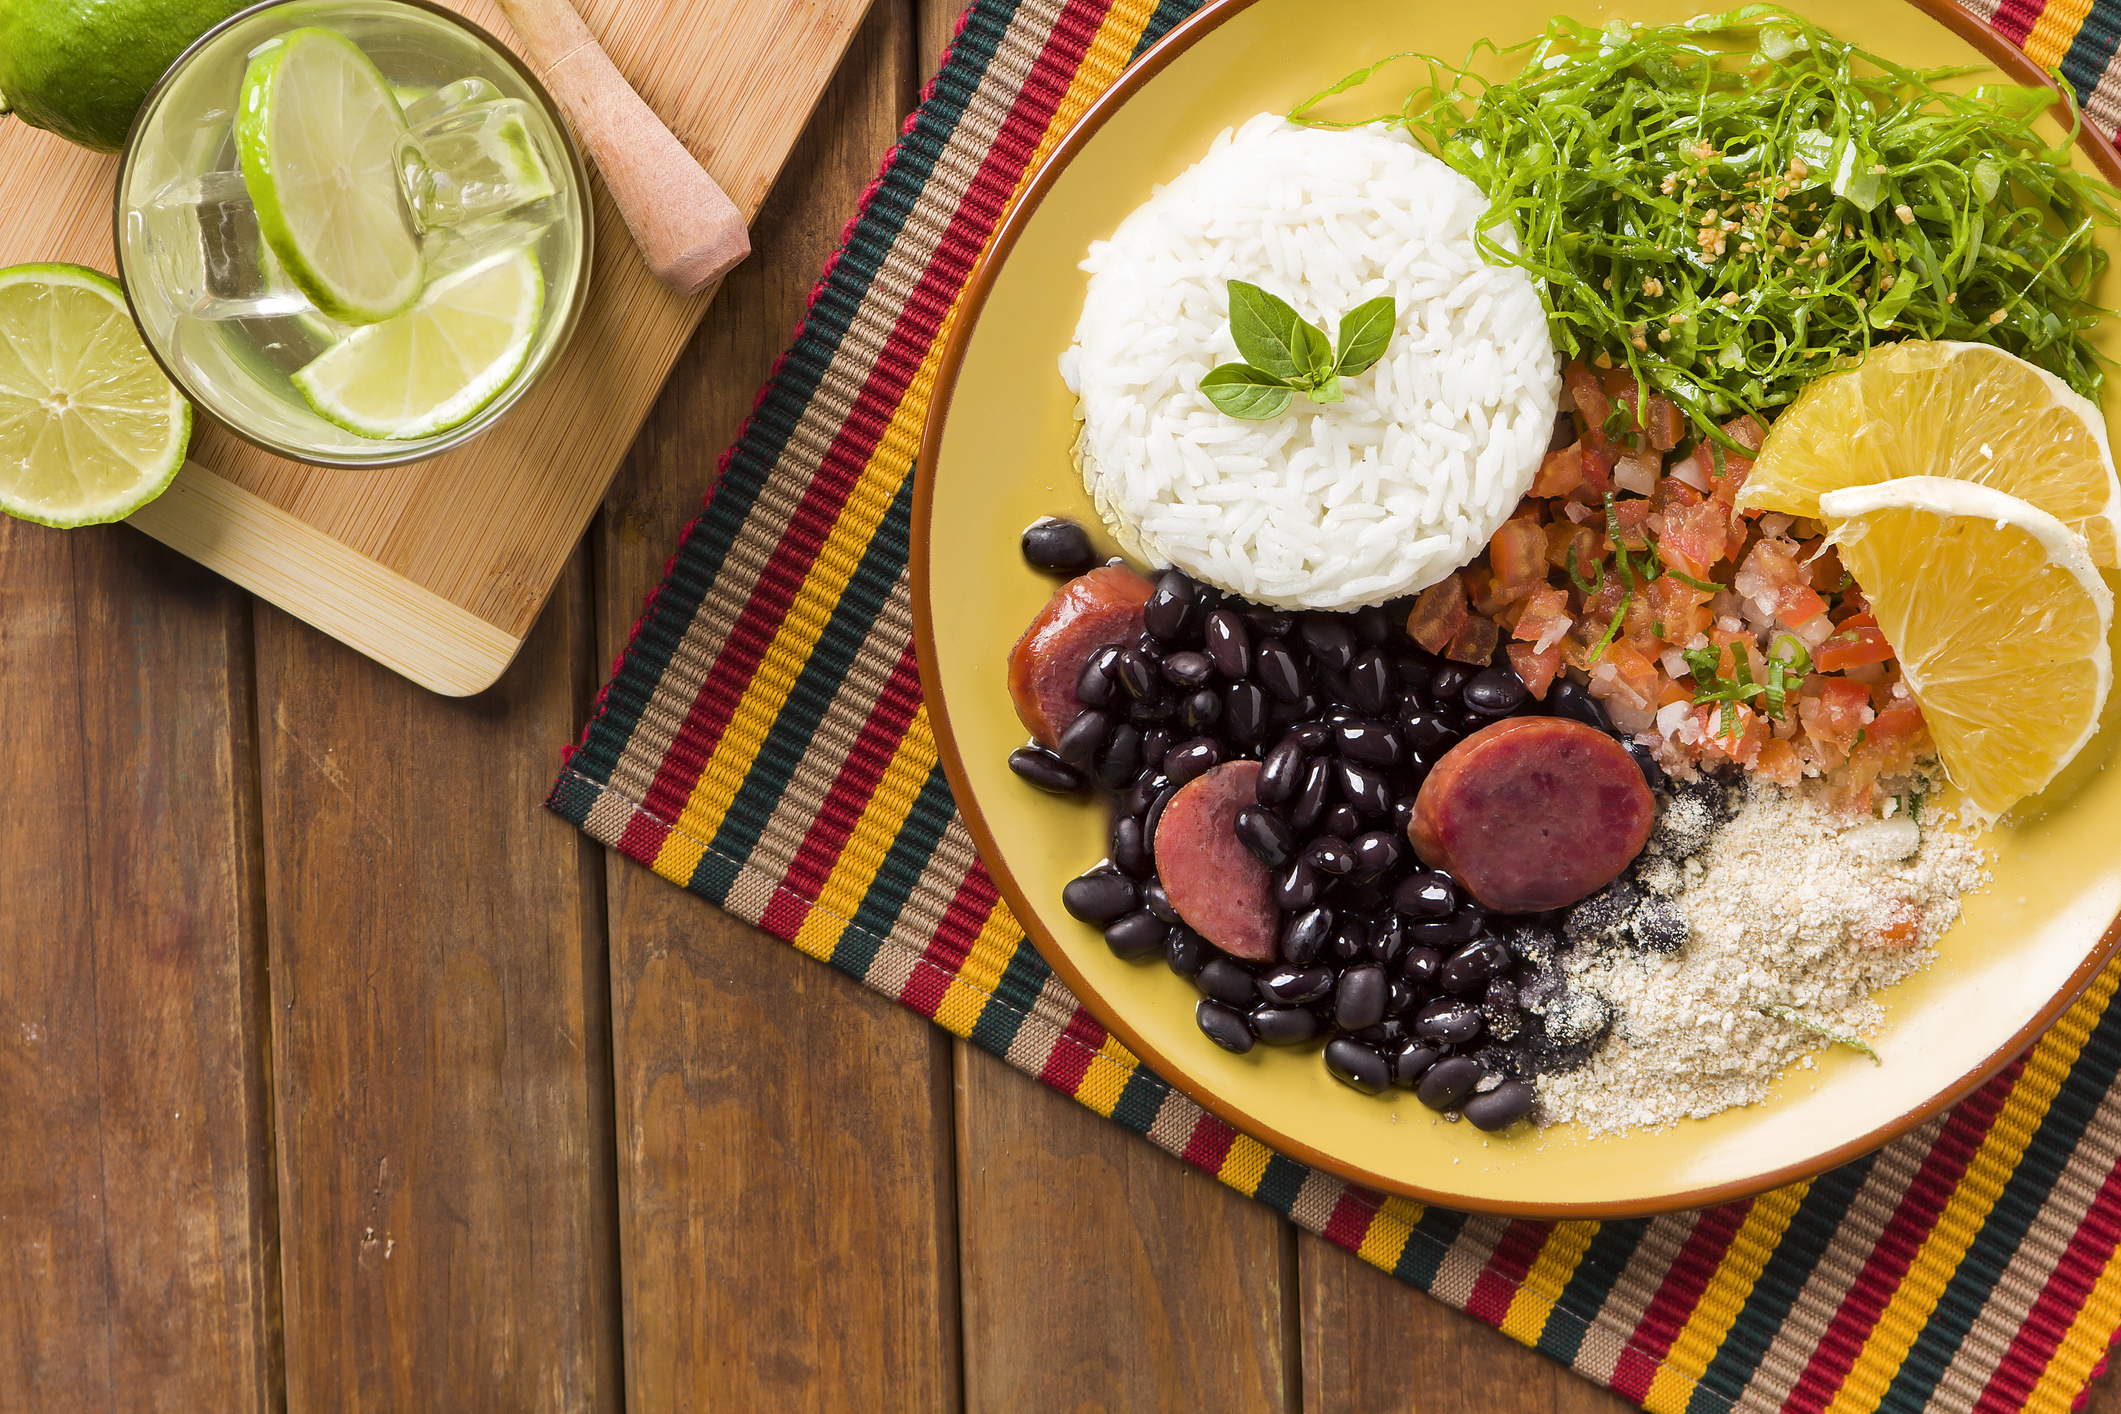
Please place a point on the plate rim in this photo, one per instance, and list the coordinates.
(2013, 62)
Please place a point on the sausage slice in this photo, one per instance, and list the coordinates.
(1218, 886)
(1088, 612)
(1533, 813)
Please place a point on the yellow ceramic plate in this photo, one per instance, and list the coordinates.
(996, 458)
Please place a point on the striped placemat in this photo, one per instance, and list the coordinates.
(763, 744)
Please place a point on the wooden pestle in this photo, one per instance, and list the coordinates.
(687, 228)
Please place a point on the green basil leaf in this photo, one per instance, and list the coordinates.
(1316, 351)
(1243, 391)
(1267, 331)
(1327, 391)
(1364, 336)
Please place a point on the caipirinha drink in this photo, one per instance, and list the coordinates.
(352, 232)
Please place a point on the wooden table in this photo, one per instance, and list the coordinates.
(337, 1075)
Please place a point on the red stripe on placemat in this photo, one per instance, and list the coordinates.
(1350, 1222)
(1209, 1144)
(1506, 1269)
(1677, 1295)
(1071, 1058)
(2068, 1287)
(841, 810)
(642, 839)
(2015, 19)
(1895, 1249)
(841, 468)
(958, 929)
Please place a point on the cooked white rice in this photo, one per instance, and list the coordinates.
(1326, 505)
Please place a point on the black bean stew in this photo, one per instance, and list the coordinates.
(1408, 984)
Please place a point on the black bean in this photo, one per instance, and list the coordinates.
(1082, 737)
(1448, 1019)
(1370, 742)
(1500, 999)
(1334, 685)
(1652, 773)
(1158, 902)
(1224, 1025)
(1494, 692)
(1151, 710)
(1357, 1066)
(1156, 815)
(1351, 939)
(1425, 896)
(1136, 936)
(1311, 795)
(1093, 687)
(1426, 730)
(1136, 673)
(1122, 761)
(1192, 758)
(1313, 737)
(1245, 712)
(1329, 639)
(1201, 710)
(1283, 1025)
(1061, 546)
(1294, 986)
(1416, 671)
(1421, 965)
(1225, 981)
(1304, 936)
(1460, 927)
(1185, 951)
(1296, 887)
(1329, 856)
(1374, 626)
(1169, 607)
(1270, 623)
(1573, 700)
(1147, 786)
(1341, 822)
(1229, 644)
(1266, 835)
(1411, 1062)
(1046, 771)
(1100, 896)
(1469, 968)
(1130, 849)
(1359, 1000)
(1403, 995)
(1448, 680)
(1280, 772)
(1403, 815)
(1364, 787)
(1282, 714)
(1377, 853)
(1448, 1081)
(1189, 670)
(1388, 937)
(1279, 671)
(1155, 742)
(1370, 683)
(1500, 1107)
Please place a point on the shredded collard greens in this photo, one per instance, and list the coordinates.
(1734, 205)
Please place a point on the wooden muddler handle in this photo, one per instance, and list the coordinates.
(690, 232)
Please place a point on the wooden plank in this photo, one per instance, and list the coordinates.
(785, 1133)
(440, 1044)
(1373, 1343)
(1101, 1273)
(137, 1261)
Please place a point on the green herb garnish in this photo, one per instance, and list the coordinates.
(1739, 203)
(1783, 1013)
(1605, 640)
(1284, 354)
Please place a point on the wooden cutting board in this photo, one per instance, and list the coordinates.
(438, 569)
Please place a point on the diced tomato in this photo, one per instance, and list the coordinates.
(1724, 489)
(1894, 924)
(1634, 672)
(1474, 642)
(1481, 584)
(1665, 426)
(1588, 545)
(1637, 471)
(1860, 617)
(1826, 569)
(1438, 614)
(1741, 741)
(1560, 472)
(1889, 747)
(1638, 626)
(1738, 642)
(1545, 616)
(1800, 605)
(1629, 519)
(1535, 668)
(1518, 555)
(1850, 648)
(1832, 716)
(1693, 539)
(1778, 762)
(1597, 466)
(1673, 691)
(1679, 607)
(1592, 404)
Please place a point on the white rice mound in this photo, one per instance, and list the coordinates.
(1326, 506)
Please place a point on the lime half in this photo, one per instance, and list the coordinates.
(318, 135)
(436, 365)
(90, 429)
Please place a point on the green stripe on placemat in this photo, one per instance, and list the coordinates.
(762, 745)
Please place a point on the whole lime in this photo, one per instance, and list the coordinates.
(80, 68)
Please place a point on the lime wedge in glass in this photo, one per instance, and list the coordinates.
(436, 365)
(90, 430)
(318, 135)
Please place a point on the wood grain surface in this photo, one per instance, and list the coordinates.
(337, 1076)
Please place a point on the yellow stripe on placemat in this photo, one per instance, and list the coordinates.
(883, 816)
(1945, 1246)
(2083, 1345)
(1533, 1304)
(1391, 1228)
(2054, 30)
(1721, 1301)
(981, 972)
(1245, 1165)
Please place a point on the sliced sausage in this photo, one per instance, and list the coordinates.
(1219, 888)
(1533, 813)
(1089, 611)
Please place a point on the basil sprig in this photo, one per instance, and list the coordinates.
(1285, 355)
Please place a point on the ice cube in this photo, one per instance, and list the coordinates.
(476, 161)
(209, 259)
